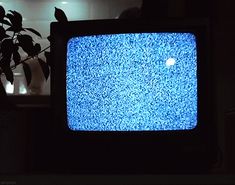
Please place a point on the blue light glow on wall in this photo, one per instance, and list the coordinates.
(132, 82)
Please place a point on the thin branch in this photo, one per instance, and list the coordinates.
(14, 66)
(22, 61)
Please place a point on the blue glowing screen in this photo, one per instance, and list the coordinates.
(132, 82)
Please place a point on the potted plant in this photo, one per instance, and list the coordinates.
(15, 37)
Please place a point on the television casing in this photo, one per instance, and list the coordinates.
(181, 151)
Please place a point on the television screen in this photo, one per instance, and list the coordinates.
(136, 93)
(132, 82)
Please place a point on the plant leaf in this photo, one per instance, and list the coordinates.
(5, 62)
(37, 48)
(16, 57)
(45, 68)
(7, 48)
(6, 22)
(48, 57)
(26, 43)
(6, 69)
(2, 12)
(18, 17)
(14, 29)
(16, 21)
(9, 74)
(34, 31)
(3, 34)
(49, 38)
(25, 38)
(27, 72)
(60, 15)
(3, 93)
(11, 28)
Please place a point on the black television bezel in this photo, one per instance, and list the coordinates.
(192, 147)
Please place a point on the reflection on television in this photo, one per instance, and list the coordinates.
(132, 82)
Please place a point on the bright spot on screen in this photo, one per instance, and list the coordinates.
(120, 82)
(170, 62)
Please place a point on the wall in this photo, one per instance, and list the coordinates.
(224, 53)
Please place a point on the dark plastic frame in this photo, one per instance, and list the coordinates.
(132, 152)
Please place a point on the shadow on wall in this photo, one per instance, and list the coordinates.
(149, 9)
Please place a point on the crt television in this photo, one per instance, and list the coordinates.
(132, 96)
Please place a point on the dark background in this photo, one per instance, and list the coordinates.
(23, 131)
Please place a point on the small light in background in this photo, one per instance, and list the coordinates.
(22, 88)
(64, 2)
(1, 3)
(9, 88)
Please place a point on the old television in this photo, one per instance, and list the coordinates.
(132, 96)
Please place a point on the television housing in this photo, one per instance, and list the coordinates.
(132, 96)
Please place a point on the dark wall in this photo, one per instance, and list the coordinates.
(223, 57)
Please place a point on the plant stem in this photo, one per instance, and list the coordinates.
(22, 61)
(14, 66)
